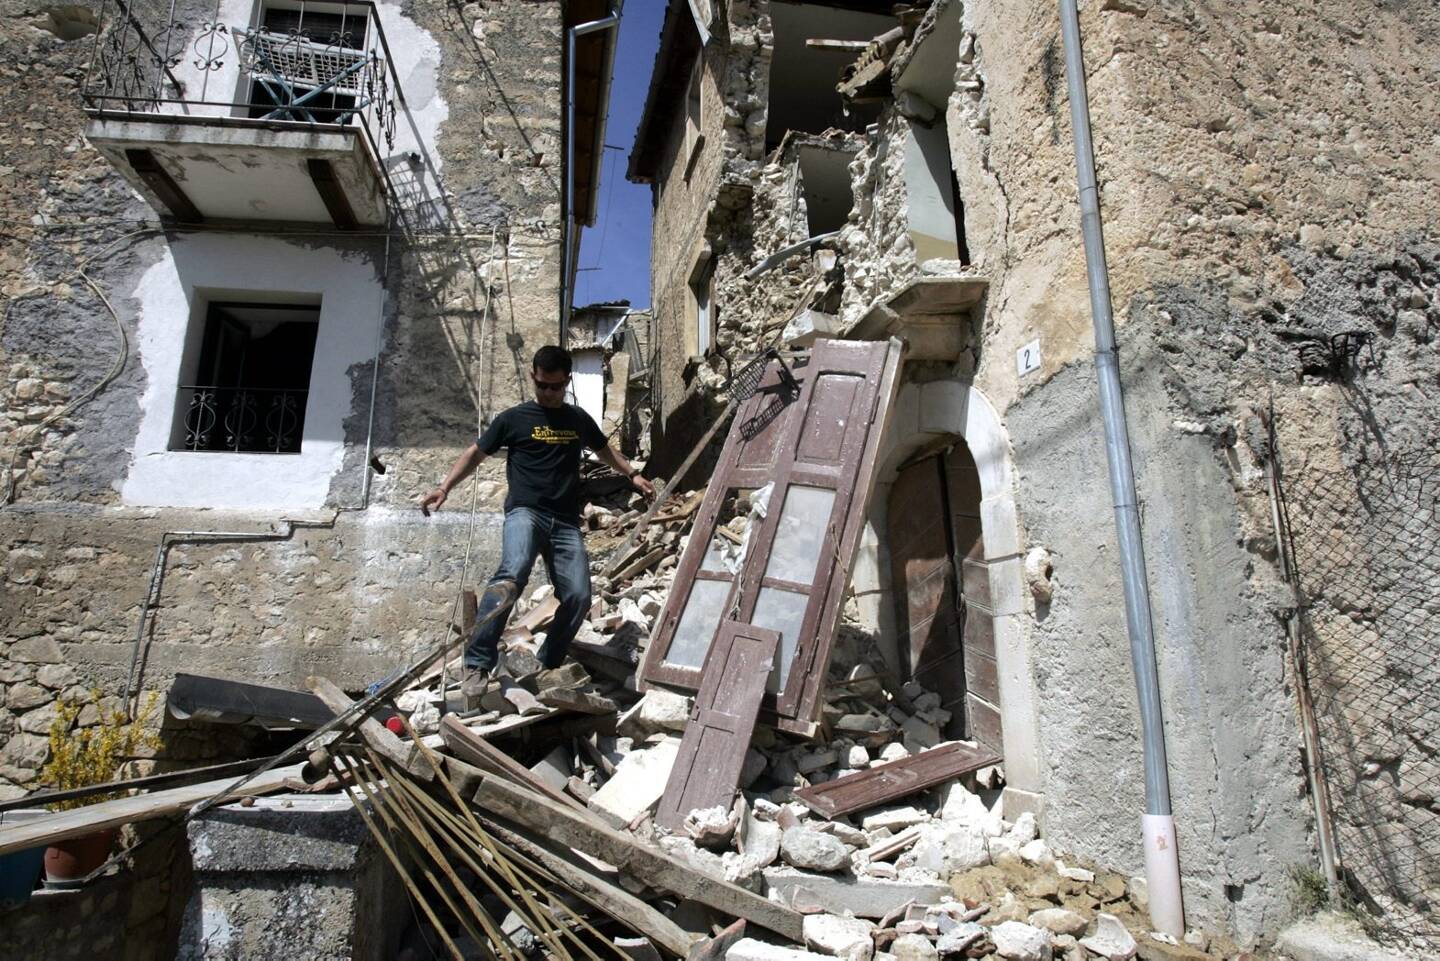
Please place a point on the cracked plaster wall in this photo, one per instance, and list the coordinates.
(472, 287)
(1247, 209)
(1266, 180)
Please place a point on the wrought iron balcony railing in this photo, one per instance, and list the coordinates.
(311, 63)
(250, 420)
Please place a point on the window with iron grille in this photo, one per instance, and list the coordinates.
(310, 53)
(246, 380)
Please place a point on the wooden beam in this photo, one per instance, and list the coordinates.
(233, 769)
(563, 825)
(332, 193)
(375, 734)
(610, 898)
(158, 179)
(471, 748)
(63, 825)
(714, 948)
(851, 47)
(670, 485)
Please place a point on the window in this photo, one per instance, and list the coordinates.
(702, 291)
(307, 61)
(694, 113)
(246, 382)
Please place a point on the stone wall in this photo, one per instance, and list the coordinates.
(470, 288)
(130, 915)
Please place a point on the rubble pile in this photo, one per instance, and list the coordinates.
(548, 816)
(939, 874)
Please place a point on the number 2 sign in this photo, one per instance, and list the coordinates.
(1027, 358)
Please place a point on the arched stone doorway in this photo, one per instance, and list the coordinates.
(940, 589)
(934, 419)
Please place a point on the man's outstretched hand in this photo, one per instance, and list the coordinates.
(642, 485)
(432, 501)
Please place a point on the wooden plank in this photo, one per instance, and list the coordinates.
(375, 734)
(199, 698)
(463, 742)
(712, 752)
(63, 825)
(643, 564)
(715, 948)
(509, 723)
(895, 780)
(608, 897)
(851, 47)
(562, 824)
(233, 769)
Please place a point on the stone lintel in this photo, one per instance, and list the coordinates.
(931, 314)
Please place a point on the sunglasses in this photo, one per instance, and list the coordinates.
(550, 385)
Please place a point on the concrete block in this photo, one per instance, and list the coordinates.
(638, 783)
(748, 949)
(290, 877)
(841, 894)
(1330, 937)
(847, 938)
(279, 833)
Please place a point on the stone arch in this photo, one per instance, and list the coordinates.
(925, 416)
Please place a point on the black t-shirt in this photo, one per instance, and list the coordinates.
(543, 464)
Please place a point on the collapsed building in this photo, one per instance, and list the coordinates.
(837, 170)
(862, 213)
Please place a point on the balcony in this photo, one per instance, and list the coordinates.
(287, 118)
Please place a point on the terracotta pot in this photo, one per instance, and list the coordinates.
(68, 862)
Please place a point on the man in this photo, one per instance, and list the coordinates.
(543, 439)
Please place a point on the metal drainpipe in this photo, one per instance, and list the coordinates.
(368, 471)
(1162, 865)
(569, 220)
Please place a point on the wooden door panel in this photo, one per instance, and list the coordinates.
(984, 723)
(895, 780)
(980, 676)
(712, 752)
(834, 406)
(826, 440)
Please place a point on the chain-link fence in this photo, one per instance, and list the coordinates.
(1364, 541)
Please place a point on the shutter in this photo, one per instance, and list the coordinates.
(712, 752)
(818, 454)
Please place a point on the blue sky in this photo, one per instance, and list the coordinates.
(615, 253)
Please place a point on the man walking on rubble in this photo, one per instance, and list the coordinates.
(543, 439)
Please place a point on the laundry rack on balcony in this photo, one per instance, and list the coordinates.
(298, 73)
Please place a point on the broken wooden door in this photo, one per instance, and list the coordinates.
(811, 467)
(942, 590)
(707, 770)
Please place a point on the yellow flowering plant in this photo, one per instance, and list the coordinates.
(82, 756)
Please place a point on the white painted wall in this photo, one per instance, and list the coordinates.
(587, 382)
(198, 268)
(416, 64)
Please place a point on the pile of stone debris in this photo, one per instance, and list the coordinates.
(919, 875)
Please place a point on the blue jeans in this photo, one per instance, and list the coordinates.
(531, 533)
